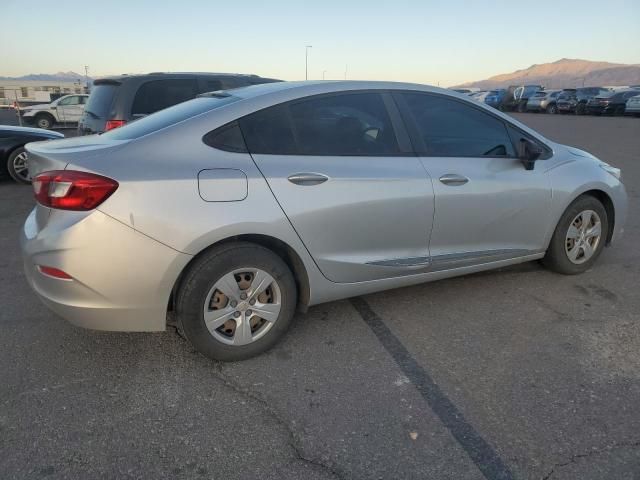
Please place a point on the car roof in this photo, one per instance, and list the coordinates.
(315, 87)
(126, 76)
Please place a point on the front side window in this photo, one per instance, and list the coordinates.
(336, 125)
(158, 94)
(70, 101)
(450, 128)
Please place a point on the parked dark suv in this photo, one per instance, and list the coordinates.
(611, 103)
(115, 101)
(574, 100)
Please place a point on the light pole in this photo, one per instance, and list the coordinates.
(323, 72)
(346, 67)
(306, 61)
(86, 77)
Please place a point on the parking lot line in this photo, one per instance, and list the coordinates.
(481, 453)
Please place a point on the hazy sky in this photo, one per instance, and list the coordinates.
(446, 42)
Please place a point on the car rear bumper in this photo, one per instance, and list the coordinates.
(562, 107)
(600, 109)
(121, 279)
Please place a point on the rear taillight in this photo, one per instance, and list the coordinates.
(72, 190)
(111, 124)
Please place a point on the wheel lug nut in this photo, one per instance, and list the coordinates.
(252, 301)
(248, 313)
(243, 296)
(236, 314)
(234, 304)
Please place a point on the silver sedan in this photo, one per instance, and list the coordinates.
(228, 212)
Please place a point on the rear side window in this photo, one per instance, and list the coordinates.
(228, 138)
(158, 94)
(100, 100)
(449, 128)
(335, 125)
(269, 131)
(168, 116)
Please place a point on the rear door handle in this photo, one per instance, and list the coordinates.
(307, 179)
(453, 180)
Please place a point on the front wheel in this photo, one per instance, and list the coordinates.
(17, 166)
(578, 238)
(552, 109)
(45, 121)
(236, 301)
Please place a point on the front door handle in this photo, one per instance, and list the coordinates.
(453, 180)
(307, 179)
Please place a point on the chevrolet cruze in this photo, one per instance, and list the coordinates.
(228, 212)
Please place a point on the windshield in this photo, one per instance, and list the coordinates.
(169, 116)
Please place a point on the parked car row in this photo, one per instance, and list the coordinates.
(579, 101)
(116, 101)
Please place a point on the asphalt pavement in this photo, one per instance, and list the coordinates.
(512, 374)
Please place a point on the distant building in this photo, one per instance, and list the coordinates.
(30, 91)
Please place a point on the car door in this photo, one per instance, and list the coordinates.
(487, 206)
(70, 109)
(345, 176)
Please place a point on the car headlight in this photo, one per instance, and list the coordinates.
(616, 172)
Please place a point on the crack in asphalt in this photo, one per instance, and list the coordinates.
(594, 452)
(293, 440)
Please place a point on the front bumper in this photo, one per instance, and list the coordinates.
(121, 279)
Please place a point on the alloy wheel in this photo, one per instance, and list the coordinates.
(583, 237)
(21, 166)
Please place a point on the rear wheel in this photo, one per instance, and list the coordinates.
(581, 109)
(17, 165)
(579, 237)
(552, 109)
(236, 301)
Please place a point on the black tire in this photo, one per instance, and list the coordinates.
(201, 277)
(44, 120)
(552, 109)
(619, 110)
(556, 258)
(11, 166)
(581, 109)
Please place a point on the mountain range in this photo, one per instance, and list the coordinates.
(566, 73)
(48, 77)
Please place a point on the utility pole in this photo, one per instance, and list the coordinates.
(306, 61)
(86, 77)
(346, 67)
(323, 72)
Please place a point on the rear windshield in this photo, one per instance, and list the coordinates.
(168, 116)
(100, 100)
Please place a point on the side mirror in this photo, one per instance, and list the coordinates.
(528, 153)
